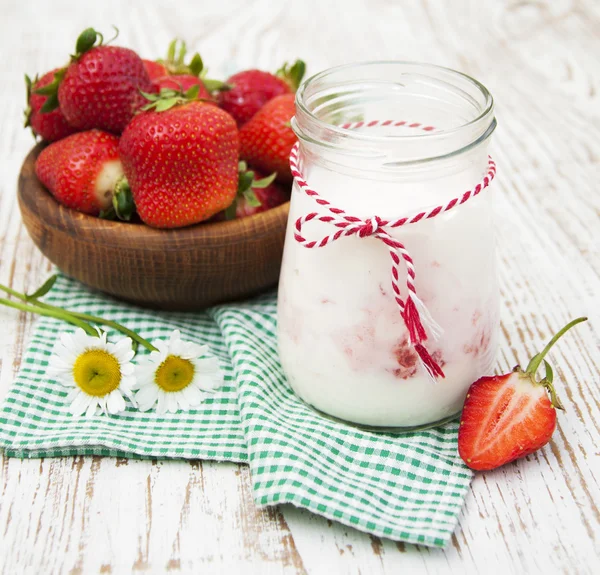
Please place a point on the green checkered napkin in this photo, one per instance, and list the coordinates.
(407, 487)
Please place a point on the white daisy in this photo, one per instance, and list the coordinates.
(176, 376)
(97, 372)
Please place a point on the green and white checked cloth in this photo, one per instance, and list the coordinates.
(408, 487)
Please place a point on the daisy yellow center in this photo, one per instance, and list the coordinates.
(174, 374)
(97, 372)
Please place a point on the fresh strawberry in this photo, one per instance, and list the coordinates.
(267, 139)
(265, 198)
(256, 193)
(180, 157)
(82, 171)
(50, 126)
(155, 69)
(101, 86)
(250, 90)
(509, 416)
(183, 82)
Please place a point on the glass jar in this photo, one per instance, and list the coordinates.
(419, 139)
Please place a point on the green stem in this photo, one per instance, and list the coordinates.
(51, 313)
(80, 316)
(124, 330)
(537, 359)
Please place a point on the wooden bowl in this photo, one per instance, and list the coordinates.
(182, 269)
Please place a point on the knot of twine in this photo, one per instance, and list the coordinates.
(415, 315)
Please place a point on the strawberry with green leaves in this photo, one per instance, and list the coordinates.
(256, 193)
(267, 139)
(49, 125)
(100, 88)
(83, 172)
(180, 157)
(509, 416)
(182, 83)
(174, 74)
(250, 90)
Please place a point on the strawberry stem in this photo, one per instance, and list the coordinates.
(536, 360)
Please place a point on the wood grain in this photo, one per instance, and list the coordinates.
(540, 515)
(185, 269)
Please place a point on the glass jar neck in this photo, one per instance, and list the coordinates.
(404, 117)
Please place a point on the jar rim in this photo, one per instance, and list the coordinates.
(456, 89)
(485, 112)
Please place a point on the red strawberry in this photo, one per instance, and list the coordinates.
(183, 82)
(101, 86)
(181, 160)
(155, 69)
(256, 193)
(266, 198)
(52, 125)
(509, 416)
(82, 170)
(267, 139)
(252, 89)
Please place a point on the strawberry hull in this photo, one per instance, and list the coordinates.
(181, 164)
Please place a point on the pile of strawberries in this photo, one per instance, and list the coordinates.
(160, 139)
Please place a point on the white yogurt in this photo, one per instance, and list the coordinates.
(343, 344)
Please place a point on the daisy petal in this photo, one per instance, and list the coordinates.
(147, 395)
(172, 406)
(193, 395)
(161, 407)
(80, 404)
(115, 402)
(92, 409)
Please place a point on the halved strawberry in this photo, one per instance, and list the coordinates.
(509, 416)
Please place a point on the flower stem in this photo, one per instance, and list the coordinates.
(80, 316)
(57, 313)
(536, 360)
(124, 330)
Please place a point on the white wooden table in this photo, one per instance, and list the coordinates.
(540, 59)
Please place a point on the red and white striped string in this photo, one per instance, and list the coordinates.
(412, 310)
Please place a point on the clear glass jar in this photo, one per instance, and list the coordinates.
(343, 344)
